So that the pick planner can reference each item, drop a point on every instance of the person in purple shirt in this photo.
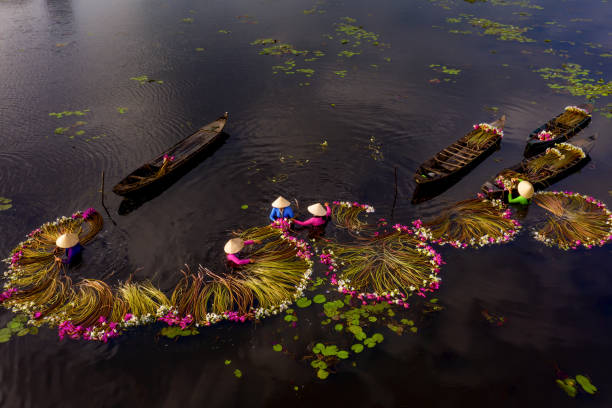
(233, 246)
(70, 242)
(281, 209)
(321, 215)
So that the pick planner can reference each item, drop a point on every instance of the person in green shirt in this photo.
(525, 190)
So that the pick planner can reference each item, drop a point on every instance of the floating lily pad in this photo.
(5, 203)
(319, 298)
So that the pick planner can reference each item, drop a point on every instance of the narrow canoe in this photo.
(457, 158)
(544, 177)
(561, 132)
(186, 150)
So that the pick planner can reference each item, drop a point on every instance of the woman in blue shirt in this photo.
(281, 209)
(70, 242)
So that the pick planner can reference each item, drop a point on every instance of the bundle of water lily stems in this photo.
(386, 267)
(346, 215)
(38, 287)
(276, 276)
(483, 133)
(476, 222)
(573, 220)
(542, 166)
(571, 116)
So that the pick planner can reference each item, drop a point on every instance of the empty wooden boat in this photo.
(172, 160)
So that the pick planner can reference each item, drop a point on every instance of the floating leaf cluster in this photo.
(504, 32)
(576, 80)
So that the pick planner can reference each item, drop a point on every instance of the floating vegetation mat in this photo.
(541, 167)
(388, 267)
(503, 32)
(574, 220)
(38, 287)
(574, 79)
(347, 328)
(476, 223)
(346, 215)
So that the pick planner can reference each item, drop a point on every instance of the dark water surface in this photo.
(61, 55)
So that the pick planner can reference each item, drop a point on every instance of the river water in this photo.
(381, 111)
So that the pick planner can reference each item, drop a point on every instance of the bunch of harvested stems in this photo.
(574, 220)
(277, 276)
(571, 116)
(482, 134)
(388, 267)
(555, 158)
(90, 309)
(346, 215)
(476, 222)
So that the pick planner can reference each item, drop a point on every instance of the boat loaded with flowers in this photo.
(446, 166)
(542, 170)
(559, 129)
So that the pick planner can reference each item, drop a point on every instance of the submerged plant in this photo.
(476, 222)
(573, 220)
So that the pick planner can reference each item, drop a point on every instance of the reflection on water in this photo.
(65, 56)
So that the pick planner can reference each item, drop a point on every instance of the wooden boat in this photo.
(459, 157)
(544, 177)
(162, 168)
(562, 131)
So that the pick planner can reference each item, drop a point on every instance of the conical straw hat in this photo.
(317, 209)
(67, 240)
(233, 245)
(280, 202)
(525, 189)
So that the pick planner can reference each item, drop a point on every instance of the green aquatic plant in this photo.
(444, 69)
(504, 32)
(17, 326)
(348, 54)
(143, 79)
(60, 115)
(341, 74)
(576, 80)
(121, 110)
(5, 203)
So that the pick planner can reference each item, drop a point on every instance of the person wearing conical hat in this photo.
(321, 215)
(281, 208)
(70, 242)
(525, 190)
(233, 246)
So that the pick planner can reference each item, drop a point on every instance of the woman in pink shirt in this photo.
(321, 215)
(233, 246)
